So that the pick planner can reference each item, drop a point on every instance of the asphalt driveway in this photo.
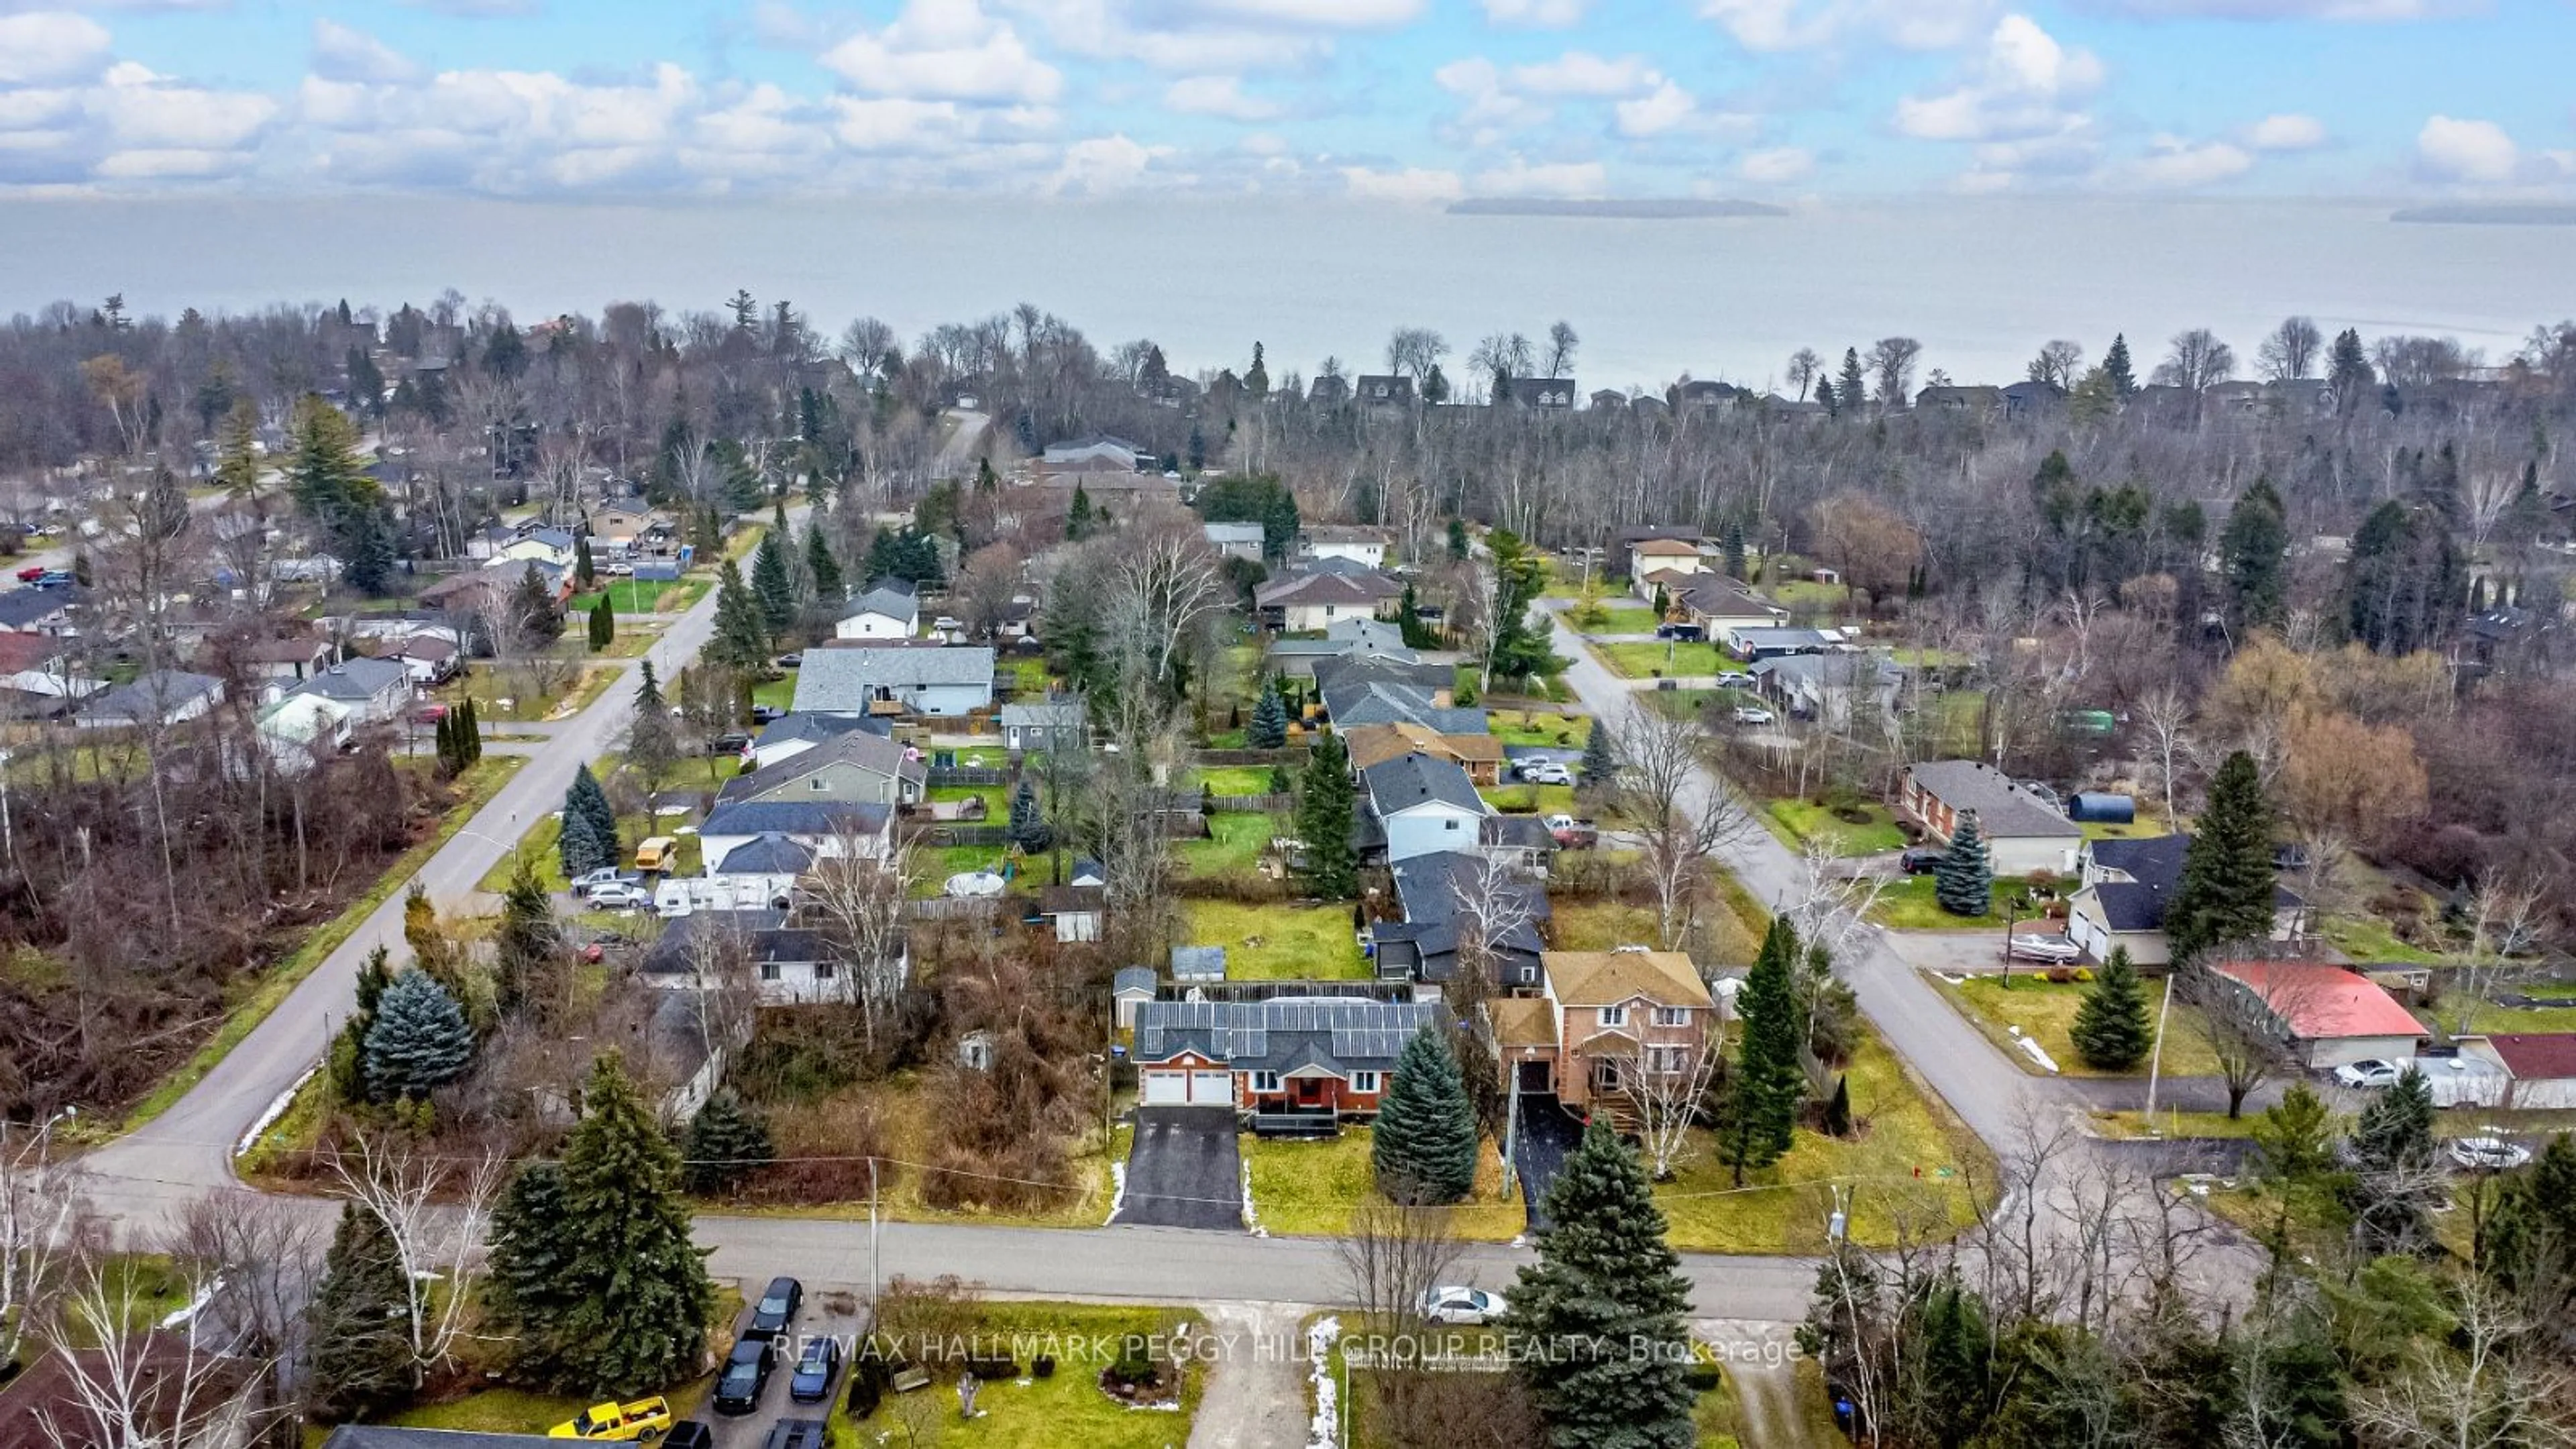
(1547, 1133)
(1184, 1170)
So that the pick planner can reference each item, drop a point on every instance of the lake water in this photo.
(1981, 282)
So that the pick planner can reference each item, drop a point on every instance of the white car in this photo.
(1472, 1307)
(2055, 950)
(2488, 1154)
(1543, 772)
(590, 880)
(1753, 714)
(1734, 679)
(2369, 1072)
(618, 895)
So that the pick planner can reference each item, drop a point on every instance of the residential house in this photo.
(1237, 540)
(377, 691)
(1422, 804)
(1607, 1025)
(1829, 688)
(1442, 896)
(1522, 842)
(760, 873)
(790, 735)
(1098, 451)
(554, 547)
(1051, 723)
(1358, 543)
(828, 828)
(281, 663)
(42, 611)
(1311, 602)
(432, 659)
(1481, 756)
(1382, 390)
(1609, 400)
(626, 526)
(891, 678)
(2128, 884)
(1343, 639)
(2325, 1014)
(890, 609)
(1977, 399)
(2031, 401)
(298, 733)
(857, 767)
(1717, 603)
(1286, 1055)
(1355, 700)
(1623, 557)
(1545, 394)
(159, 1387)
(158, 698)
(1329, 390)
(1702, 395)
(2023, 833)
(1074, 911)
(1664, 555)
(1755, 642)
(2539, 1068)
(37, 679)
(789, 964)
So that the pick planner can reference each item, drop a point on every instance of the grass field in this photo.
(1528, 799)
(1900, 1131)
(1640, 661)
(1798, 821)
(2489, 1017)
(1231, 851)
(1806, 596)
(1600, 925)
(1540, 727)
(1625, 620)
(1234, 779)
(1313, 1187)
(625, 596)
(1908, 904)
(2045, 1011)
(1067, 1409)
(1277, 942)
(2368, 938)
(933, 865)
(777, 693)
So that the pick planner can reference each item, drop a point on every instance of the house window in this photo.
(1668, 1060)
(1614, 1016)
(1265, 1081)
(1672, 1016)
(768, 970)
(1363, 1081)
(824, 970)
(1452, 825)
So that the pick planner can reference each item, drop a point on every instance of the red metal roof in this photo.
(2322, 1002)
(2534, 1056)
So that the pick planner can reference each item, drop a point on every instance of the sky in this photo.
(1412, 100)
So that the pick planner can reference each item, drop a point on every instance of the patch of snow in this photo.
(1117, 1189)
(1251, 1219)
(197, 1304)
(671, 810)
(1324, 1430)
(2030, 1047)
(275, 1110)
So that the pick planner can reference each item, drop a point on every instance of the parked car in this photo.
(775, 1313)
(583, 883)
(618, 895)
(1754, 714)
(429, 714)
(2055, 950)
(2369, 1072)
(1734, 679)
(1921, 860)
(1571, 833)
(54, 579)
(620, 569)
(746, 1373)
(1542, 772)
(1472, 1307)
(638, 1419)
(655, 853)
(762, 714)
(1681, 633)
(31, 573)
(812, 1381)
(689, 1434)
(2488, 1154)
(731, 742)
(796, 1434)
(791, 661)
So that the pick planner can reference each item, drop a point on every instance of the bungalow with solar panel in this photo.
(1311, 1057)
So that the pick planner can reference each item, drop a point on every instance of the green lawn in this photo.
(1908, 904)
(1538, 727)
(1277, 942)
(2368, 938)
(1600, 925)
(2045, 1011)
(933, 865)
(1313, 1187)
(2489, 1017)
(1533, 799)
(625, 596)
(1899, 1131)
(1797, 821)
(779, 693)
(1806, 596)
(1678, 660)
(1958, 723)
(1231, 851)
(1234, 779)
(1627, 620)
(1067, 1409)
(538, 847)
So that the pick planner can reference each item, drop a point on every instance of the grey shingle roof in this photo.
(392, 1436)
(764, 935)
(1430, 888)
(21, 607)
(839, 679)
(863, 748)
(153, 696)
(356, 680)
(1342, 1033)
(766, 855)
(2002, 807)
(813, 819)
(887, 599)
(1051, 714)
(1132, 978)
(820, 727)
(1415, 778)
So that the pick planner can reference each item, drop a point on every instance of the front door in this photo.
(1536, 1078)
(1309, 1091)
(1605, 1076)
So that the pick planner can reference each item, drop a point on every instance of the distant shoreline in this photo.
(2496, 214)
(1667, 209)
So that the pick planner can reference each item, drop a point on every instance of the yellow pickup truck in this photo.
(641, 1419)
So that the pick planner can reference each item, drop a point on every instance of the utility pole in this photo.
(2156, 1054)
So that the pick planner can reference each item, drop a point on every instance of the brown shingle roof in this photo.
(1605, 978)
(1523, 1021)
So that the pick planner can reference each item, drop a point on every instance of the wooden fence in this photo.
(942, 777)
(1284, 755)
(955, 834)
(1251, 804)
(951, 908)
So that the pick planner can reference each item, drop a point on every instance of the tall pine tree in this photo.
(528, 1286)
(1854, 386)
(1028, 827)
(1763, 1091)
(1268, 729)
(361, 1360)
(2111, 1029)
(831, 590)
(1964, 879)
(419, 1040)
(773, 583)
(2226, 889)
(1600, 769)
(2116, 366)
(638, 1318)
(1423, 1148)
(2254, 552)
(2396, 1168)
(728, 1142)
(741, 639)
(1324, 815)
(528, 947)
(1606, 1297)
(603, 625)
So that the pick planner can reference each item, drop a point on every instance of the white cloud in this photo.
(1656, 112)
(2025, 85)
(1581, 73)
(1218, 95)
(2172, 162)
(50, 46)
(342, 53)
(2348, 10)
(1577, 179)
(945, 50)
(1777, 166)
(2289, 132)
(476, 9)
(1321, 14)
(1413, 184)
(1175, 39)
(1536, 14)
(1101, 164)
(1778, 25)
(2477, 152)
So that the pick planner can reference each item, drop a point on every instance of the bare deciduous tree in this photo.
(435, 1210)
(2289, 350)
(127, 1383)
(2489, 1387)
(1684, 815)
(861, 901)
(1666, 1081)
(41, 1227)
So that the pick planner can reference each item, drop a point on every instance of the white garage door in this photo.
(1212, 1089)
(1165, 1089)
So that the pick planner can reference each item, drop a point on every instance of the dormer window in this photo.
(1614, 1016)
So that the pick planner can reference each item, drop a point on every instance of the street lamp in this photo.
(2012, 913)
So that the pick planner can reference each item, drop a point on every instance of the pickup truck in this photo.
(1573, 834)
(639, 1419)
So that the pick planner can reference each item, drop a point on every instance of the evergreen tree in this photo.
(2116, 367)
(1838, 1116)
(773, 584)
(1077, 517)
(603, 625)
(1600, 766)
(1828, 399)
(2531, 1241)
(1256, 378)
(577, 845)
(1324, 814)
(728, 1142)
(1607, 1297)
(2226, 889)
(830, 589)
(1457, 538)
(361, 1359)
(1269, 727)
(2395, 1168)
(348, 1059)
(2348, 370)
(593, 802)
(2294, 1138)
(652, 742)
(2254, 553)
(1854, 386)
(1963, 882)
(1423, 1148)
(469, 735)
(367, 539)
(324, 473)
(1763, 1091)
(585, 569)
(637, 1319)
(1029, 828)
(445, 736)
(2111, 1031)
(741, 640)
(532, 607)
(527, 946)
(1735, 565)
(237, 469)
(419, 1041)
(528, 1285)
(2401, 579)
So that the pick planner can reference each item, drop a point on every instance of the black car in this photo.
(746, 1373)
(811, 1383)
(775, 1313)
(689, 1434)
(790, 661)
(795, 1434)
(1922, 859)
(762, 714)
